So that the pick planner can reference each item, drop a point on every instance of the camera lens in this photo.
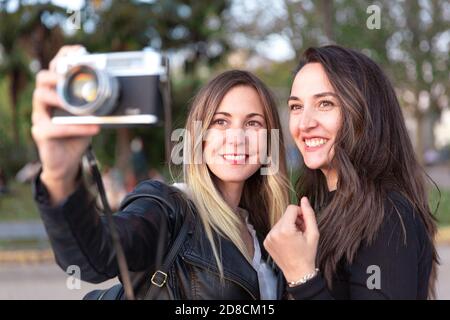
(88, 91)
(82, 88)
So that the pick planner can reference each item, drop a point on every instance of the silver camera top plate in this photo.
(129, 63)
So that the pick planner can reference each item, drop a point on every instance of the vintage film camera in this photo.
(112, 89)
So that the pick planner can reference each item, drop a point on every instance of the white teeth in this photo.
(315, 142)
(231, 157)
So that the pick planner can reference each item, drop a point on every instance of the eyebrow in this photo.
(316, 96)
(250, 115)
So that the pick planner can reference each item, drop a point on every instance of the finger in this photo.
(65, 50)
(46, 78)
(73, 130)
(288, 222)
(299, 223)
(52, 131)
(309, 218)
(290, 215)
(43, 99)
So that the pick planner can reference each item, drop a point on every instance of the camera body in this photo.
(111, 89)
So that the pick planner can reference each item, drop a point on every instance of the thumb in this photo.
(291, 214)
(309, 218)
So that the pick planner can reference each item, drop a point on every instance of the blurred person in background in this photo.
(3, 183)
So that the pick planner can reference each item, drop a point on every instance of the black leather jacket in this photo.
(80, 236)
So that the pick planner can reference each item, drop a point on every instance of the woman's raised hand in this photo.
(293, 241)
(60, 147)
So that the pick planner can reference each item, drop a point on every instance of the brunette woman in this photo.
(373, 236)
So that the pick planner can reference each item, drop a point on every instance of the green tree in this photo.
(23, 36)
(412, 44)
(191, 27)
(420, 52)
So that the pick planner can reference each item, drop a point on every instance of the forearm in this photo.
(80, 236)
(59, 187)
(77, 235)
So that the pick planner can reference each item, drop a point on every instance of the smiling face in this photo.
(235, 137)
(315, 116)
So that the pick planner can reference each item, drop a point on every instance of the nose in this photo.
(234, 140)
(307, 119)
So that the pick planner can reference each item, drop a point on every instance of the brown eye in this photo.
(326, 103)
(254, 123)
(295, 107)
(220, 122)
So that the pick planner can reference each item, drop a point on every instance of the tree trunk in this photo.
(328, 19)
(14, 84)
(431, 118)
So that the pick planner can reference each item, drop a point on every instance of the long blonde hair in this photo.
(265, 197)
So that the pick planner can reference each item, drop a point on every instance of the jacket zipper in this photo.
(225, 277)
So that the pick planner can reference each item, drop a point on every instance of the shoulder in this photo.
(398, 208)
(151, 196)
(401, 239)
(402, 221)
(154, 187)
(151, 189)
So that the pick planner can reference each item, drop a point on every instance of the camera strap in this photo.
(121, 260)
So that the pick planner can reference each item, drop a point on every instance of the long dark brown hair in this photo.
(373, 156)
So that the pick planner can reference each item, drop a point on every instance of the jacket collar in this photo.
(236, 268)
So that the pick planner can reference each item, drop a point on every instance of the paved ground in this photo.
(22, 230)
(46, 281)
(443, 287)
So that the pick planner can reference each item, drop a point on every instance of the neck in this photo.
(332, 178)
(231, 192)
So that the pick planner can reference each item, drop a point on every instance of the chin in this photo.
(314, 165)
(233, 178)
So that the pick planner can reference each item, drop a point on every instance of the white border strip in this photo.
(135, 119)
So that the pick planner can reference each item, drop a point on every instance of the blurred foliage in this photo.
(13, 210)
(31, 34)
(442, 213)
(410, 45)
(167, 26)
(23, 36)
(13, 155)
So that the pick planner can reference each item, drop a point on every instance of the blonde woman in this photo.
(235, 175)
